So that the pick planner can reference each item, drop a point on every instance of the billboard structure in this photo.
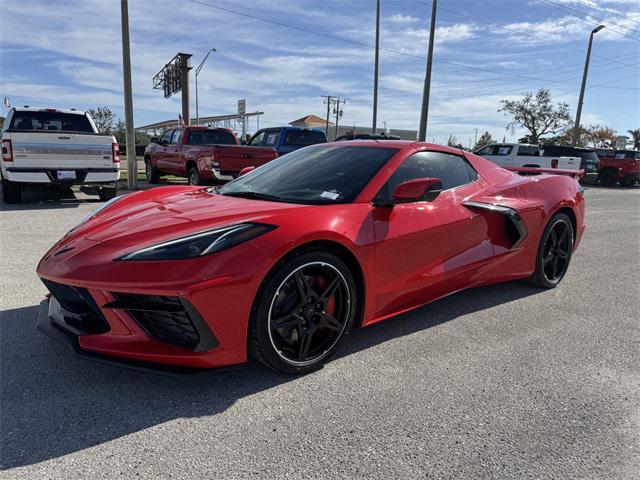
(174, 78)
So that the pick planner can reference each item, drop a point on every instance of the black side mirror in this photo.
(154, 140)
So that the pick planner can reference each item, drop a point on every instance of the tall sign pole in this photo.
(422, 132)
(185, 66)
(132, 167)
(375, 70)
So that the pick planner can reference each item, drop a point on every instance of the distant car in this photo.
(623, 166)
(280, 264)
(56, 148)
(365, 136)
(201, 154)
(588, 156)
(287, 139)
(525, 155)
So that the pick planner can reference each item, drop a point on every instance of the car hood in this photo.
(171, 212)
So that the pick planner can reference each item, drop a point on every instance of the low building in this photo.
(314, 121)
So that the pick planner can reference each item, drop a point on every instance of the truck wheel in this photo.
(609, 178)
(11, 191)
(107, 193)
(152, 174)
(193, 177)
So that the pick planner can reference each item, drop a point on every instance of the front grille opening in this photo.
(79, 309)
(167, 319)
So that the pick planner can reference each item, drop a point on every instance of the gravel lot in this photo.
(499, 382)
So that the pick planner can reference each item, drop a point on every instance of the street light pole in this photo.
(422, 132)
(197, 72)
(375, 70)
(576, 129)
(130, 142)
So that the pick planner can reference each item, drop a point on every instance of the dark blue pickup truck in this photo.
(287, 139)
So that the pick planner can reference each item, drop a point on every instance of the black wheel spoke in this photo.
(331, 322)
(305, 343)
(563, 255)
(328, 291)
(563, 235)
(304, 290)
(285, 321)
(554, 238)
(547, 260)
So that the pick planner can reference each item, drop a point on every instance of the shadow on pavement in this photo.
(54, 404)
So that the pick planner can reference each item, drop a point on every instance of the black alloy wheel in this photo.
(304, 313)
(554, 252)
(151, 173)
(193, 177)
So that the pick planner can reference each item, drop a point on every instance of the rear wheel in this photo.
(11, 191)
(554, 252)
(303, 312)
(193, 177)
(152, 174)
(107, 193)
(609, 178)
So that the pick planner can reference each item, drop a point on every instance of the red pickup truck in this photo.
(620, 166)
(202, 154)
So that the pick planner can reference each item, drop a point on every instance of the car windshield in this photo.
(211, 137)
(315, 175)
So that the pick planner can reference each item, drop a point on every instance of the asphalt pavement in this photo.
(504, 381)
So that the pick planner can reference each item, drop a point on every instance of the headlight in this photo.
(200, 244)
(96, 212)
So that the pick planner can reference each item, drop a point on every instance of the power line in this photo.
(609, 12)
(580, 14)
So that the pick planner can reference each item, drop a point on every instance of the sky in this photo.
(283, 56)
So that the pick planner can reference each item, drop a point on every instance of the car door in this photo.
(423, 248)
(161, 151)
(172, 154)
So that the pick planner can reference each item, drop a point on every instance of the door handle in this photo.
(247, 155)
(64, 138)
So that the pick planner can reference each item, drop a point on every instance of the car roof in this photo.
(399, 144)
(44, 109)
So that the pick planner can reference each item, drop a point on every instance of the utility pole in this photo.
(329, 100)
(475, 138)
(197, 72)
(576, 129)
(375, 69)
(338, 113)
(185, 66)
(130, 142)
(422, 132)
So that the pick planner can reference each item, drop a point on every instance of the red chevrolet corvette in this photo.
(280, 264)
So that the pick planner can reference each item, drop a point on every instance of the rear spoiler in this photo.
(555, 171)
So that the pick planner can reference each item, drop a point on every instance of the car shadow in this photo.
(40, 198)
(54, 404)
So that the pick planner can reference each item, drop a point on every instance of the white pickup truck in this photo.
(55, 147)
(524, 155)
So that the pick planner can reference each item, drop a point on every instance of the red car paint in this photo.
(467, 247)
(213, 162)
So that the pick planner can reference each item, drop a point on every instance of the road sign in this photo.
(242, 107)
(170, 78)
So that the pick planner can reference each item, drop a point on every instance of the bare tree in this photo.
(537, 114)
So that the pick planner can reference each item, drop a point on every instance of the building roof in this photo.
(310, 120)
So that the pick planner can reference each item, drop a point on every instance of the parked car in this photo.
(280, 264)
(623, 166)
(365, 136)
(287, 139)
(57, 148)
(524, 155)
(588, 157)
(201, 154)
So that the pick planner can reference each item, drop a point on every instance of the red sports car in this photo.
(280, 264)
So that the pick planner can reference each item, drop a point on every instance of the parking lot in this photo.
(504, 381)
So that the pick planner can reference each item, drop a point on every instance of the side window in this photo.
(177, 133)
(452, 170)
(528, 150)
(166, 137)
(486, 151)
(272, 138)
(257, 139)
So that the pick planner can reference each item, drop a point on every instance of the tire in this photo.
(107, 193)
(554, 252)
(609, 178)
(11, 191)
(313, 294)
(152, 174)
(193, 177)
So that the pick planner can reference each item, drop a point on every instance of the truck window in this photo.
(175, 138)
(528, 150)
(211, 137)
(271, 138)
(302, 138)
(166, 137)
(51, 121)
(257, 139)
(491, 150)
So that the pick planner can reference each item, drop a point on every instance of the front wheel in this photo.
(151, 173)
(554, 252)
(193, 177)
(303, 312)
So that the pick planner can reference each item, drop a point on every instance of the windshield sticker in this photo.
(330, 195)
(503, 151)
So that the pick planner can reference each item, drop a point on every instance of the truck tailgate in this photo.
(234, 158)
(61, 150)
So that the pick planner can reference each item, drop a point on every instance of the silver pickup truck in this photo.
(56, 147)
